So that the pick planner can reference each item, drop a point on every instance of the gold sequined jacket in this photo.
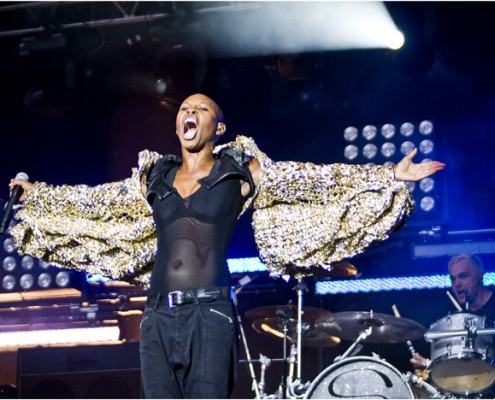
(306, 217)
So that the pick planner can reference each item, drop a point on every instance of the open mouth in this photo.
(462, 294)
(190, 128)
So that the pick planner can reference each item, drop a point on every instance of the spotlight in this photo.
(388, 149)
(427, 184)
(406, 129)
(8, 245)
(406, 147)
(427, 203)
(388, 131)
(8, 282)
(27, 262)
(62, 279)
(27, 281)
(351, 133)
(370, 151)
(351, 152)
(385, 143)
(26, 273)
(369, 132)
(44, 280)
(9, 263)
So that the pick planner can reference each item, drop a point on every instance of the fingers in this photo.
(411, 155)
(16, 182)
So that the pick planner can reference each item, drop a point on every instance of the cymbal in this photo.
(310, 336)
(385, 328)
(309, 314)
(340, 269)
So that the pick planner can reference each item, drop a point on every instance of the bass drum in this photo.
(360, 377)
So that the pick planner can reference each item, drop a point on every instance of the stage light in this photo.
(27, 262)
(406, 129)
(44, 280)
(8, 245)
(24, 273)
(351, 152)
(385, 143)
(427, 184)
(161, 86)
(388, 131)
(43, 337)
(426, 146)
(350, 133)
(370, 151)
(26, 281)
(427, 203)
(369, 132)
(298, 27)
(8, 282)
(62, 279)
(388, 149)
(395, 39)
(406, 147)
(9, 263)
(391, 284)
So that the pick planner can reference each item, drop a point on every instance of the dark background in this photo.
(77, 108)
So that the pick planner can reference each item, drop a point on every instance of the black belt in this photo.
(178, 297)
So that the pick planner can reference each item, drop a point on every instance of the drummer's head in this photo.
(466, 274)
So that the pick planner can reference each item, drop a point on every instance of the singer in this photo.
(175, 216)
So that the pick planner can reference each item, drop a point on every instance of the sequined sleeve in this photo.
(309, 216)
(105, 229)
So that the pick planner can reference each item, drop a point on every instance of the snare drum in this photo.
(460, 364)
(360, 377)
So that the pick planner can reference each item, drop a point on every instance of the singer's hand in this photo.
(26, 186)
(406, 170)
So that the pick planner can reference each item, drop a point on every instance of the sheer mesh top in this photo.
(194, 234)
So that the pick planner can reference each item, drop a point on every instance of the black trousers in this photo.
(189, 351)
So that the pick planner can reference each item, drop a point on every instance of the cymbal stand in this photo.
(265, 362)
(285, 316)
(362, 336)
(296, 389)
(255, 385)
(300, 287)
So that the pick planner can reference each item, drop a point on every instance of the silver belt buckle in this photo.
(171, 297)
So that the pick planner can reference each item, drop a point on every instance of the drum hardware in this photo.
(267, 321)
(265, 362)
(462, 354)
(470, 333)
(284, 315)
(242, 282)
(360, 377)
(417, 380)
(362, 336)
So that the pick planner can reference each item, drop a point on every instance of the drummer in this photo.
(466, 274)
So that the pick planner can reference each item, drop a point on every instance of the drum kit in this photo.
(462, 353)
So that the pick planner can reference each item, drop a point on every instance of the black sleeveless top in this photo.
(194, 232)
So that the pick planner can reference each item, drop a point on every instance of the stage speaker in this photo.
(81, 372)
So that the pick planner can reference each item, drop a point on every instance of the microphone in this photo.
(14, 198)
(469, 299)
